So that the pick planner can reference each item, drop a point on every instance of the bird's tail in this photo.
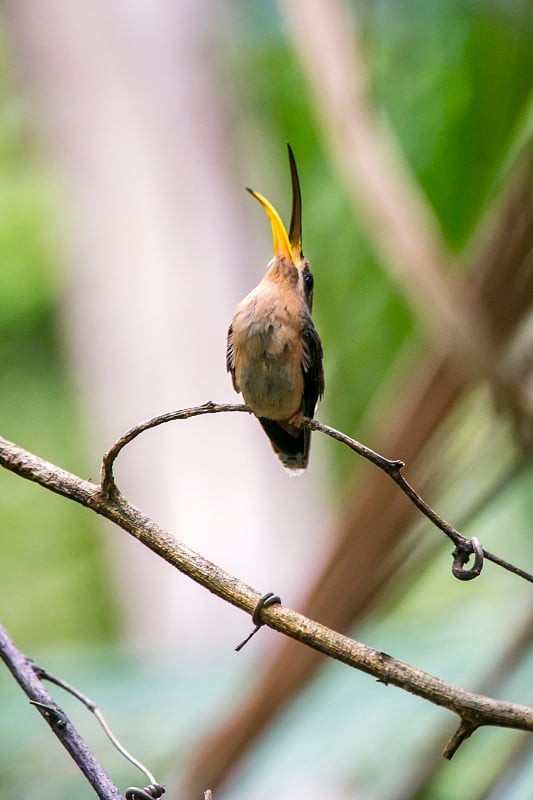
(290, 444)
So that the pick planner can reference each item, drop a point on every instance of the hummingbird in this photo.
(274, 353)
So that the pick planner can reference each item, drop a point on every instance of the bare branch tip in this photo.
(54, 713)
(463, 732)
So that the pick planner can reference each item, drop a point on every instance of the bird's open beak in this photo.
(282, 245)
(295, 229)
(287, 246)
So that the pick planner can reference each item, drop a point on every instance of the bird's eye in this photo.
(308, 281)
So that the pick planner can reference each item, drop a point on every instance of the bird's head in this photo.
(289, 263)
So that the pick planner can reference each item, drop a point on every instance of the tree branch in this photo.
(473, 709)
(23, 672)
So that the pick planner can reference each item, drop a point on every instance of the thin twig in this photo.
(89, 704)
(108, 483)
(23, 672)
(393, 468)
(394, 471)
(470, 707)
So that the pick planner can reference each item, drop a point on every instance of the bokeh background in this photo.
(127, 133)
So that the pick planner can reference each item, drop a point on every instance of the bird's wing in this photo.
(312, 369)
(289, 442)
(230, 357)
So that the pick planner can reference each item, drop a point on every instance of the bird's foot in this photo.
(296, 419)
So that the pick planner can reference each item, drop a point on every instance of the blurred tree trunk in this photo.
(134, 106)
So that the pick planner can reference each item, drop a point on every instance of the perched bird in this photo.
(274, 353)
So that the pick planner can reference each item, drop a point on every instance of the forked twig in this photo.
(23, 672)
(155, 790)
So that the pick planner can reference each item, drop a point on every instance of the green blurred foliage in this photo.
(50, 557)
(26, 217)
(455, 79)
